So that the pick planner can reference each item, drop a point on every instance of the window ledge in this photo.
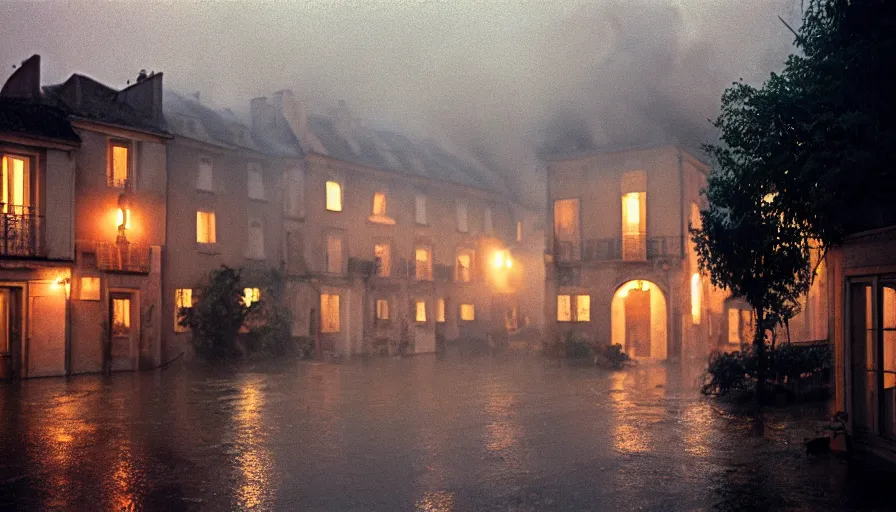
(205, 191)
(256, 258)
(258, 199)
(211, 249)
(380, 219)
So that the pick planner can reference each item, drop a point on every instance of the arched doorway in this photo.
(638, 320)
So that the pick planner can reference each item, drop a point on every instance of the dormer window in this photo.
(119, 164)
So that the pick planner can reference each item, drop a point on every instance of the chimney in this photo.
(263, 115)
(25, 81)
(295, 113)
(145, 96)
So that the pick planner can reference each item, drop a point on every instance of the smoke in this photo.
(497, 81)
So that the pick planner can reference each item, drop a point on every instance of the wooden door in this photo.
(122, 329)
(637, 322)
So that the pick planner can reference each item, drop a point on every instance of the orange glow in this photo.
(334, 196)
(696, 295)
(124, 217)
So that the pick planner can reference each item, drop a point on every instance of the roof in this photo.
(31, 118)
(187, 117)
(392, 151)
(83, 97)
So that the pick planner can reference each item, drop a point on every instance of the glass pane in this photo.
(564, 311)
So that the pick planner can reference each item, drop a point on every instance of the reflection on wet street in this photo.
(422, 434)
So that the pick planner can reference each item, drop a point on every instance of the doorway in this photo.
(120, 353)
(10, 333)
(638, 320)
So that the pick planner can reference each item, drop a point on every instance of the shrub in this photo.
(577, 346)
(727, 371)
(218, 312)
(612, 356)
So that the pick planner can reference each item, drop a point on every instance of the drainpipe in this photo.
(68, 328)
(681, 202)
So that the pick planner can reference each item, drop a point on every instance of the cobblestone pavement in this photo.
(424, 433)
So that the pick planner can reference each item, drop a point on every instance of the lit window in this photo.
(382, 254)
(566, 218)
(502, 260)
(573, 308)
(121, 317)
(334, 253)
(462, 221)
(696, 295)
(423, 266)
(564, 308)
(467, 312)
(420, 311)
(251, 296)
(183, 299)
(379, 204)
(119, 165)
(255, 251)
(382, 309)
(464, 267)
(205, 227)
(329, 312)
(256, 182)
(90, 288)
(634, 244)
(519, 231)
(15, 183)
(583, 308)
(440, 310)
(420, 209)
(488, 226)
(334, 196)
(204, 177)
(733, 326)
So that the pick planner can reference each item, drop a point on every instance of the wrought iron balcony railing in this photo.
(21, 231)
(123, 257)
(624, 248)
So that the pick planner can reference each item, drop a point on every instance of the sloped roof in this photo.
(84, 97)
(27, 117)
(397, 152)
(189, 118)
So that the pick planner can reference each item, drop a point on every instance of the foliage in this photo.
(738, 370)
(577, 346)
(269, 321)
(726, 372)
(802, 160)
(612, 356)
(217, 314)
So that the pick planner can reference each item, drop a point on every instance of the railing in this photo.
(124, 257)
(443, 272)
(21, 231)
(630, 248)
(118, 183)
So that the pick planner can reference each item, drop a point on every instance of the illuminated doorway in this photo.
(638, 320)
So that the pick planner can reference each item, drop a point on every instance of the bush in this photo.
(727, 371)
(577, 346)
(612, 356)
(736, 371)
(217, 314)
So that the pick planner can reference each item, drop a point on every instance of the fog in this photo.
(501, 82)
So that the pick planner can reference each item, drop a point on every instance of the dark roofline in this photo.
(609, 150)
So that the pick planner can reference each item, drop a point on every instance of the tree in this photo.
(217, 313)
(803, 160)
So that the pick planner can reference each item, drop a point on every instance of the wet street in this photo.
(485, 433)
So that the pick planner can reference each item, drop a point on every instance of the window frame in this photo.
(429, 262)
(211, 174)
(341, 237)
(325, 326)
(255, 169)
(179, 295)
(461, 316)
(573, 304)
(30, 165)
(338, 182)
(211, 228)
(128, 182)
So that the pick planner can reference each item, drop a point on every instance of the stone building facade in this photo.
(620, 267)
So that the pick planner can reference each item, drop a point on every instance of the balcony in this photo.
(629, 248)
(361, 268)
(21, 232)
(443, 272)
(125, 257)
